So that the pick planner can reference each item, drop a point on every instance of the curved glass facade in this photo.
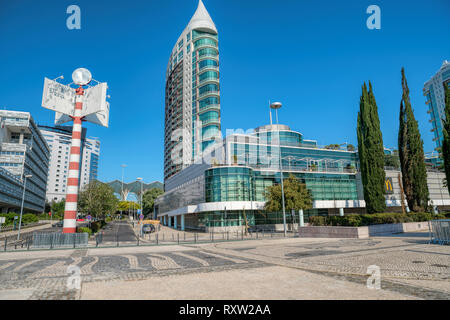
(287, 138)
(207, 63)
(209, 132)
(208, 75)
(208, 88)
(208, 101)
(205, 42)
(210, 116)
(229, 184)
(208, 52)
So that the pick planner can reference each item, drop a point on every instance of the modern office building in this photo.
(59, 141)
(192, 96)
(23, 151)
(228, 188)
(433, 90)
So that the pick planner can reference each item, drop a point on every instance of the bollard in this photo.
(195, 237)
(242, 234)
(184, 236)
(51, 242)
(256, 234)
(138, 241)
(117, 239)
(6, 242)
(157, 239)
(228, 236)
(178, 238)
(28, 243)
(212, 238)
(96, 241)
(74, 240)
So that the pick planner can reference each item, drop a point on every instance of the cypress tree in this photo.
(446, 132)
(371, 152)
(412, 158)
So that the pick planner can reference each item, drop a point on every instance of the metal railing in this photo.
(439, 231)
(60, 240)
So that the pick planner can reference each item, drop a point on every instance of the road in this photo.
(295, 268)
(118, 230)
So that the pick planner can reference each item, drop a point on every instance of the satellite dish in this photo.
(81, 76)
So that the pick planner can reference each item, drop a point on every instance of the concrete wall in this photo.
(361, 232)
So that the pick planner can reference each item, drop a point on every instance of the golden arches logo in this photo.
(388, 185)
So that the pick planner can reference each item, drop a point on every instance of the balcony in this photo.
(210, 121)
(210, 107)
(209, 93)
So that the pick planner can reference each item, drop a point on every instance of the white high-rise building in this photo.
(59, 140)
(434, 91)
(23, 152)
(192, 104)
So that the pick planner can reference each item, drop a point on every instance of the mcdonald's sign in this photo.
(388, 186)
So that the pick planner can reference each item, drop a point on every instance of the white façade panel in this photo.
(58, 97)
(61, 118)
(94, 99)
(101, 117)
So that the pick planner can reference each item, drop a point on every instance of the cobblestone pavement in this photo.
(409, 266)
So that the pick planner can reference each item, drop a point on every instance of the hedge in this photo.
(97, 225)
(357, 220)
(84, 229)
(27, 218)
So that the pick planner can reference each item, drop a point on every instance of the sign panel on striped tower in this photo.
(58, 97)
(61, 118)
(94, 99)
(101, 117)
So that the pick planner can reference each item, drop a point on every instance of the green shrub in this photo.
(97, 225)
(356, 220)
(84, 229)
(29, 218)
(318, 221)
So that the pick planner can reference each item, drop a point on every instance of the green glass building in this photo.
(228, 187)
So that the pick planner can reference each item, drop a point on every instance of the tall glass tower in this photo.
(192, 104)
(434, 92)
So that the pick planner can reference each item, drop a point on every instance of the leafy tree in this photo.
(47, 206)
(350, 147)
(148, 200)
(57, 208)
(333, 146)
(391, 160)
(446, 132)
(97, 199)
(296, 196)
(412, 158)
(127, 205)
(371, 152)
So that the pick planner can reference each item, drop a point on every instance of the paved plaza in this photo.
(293, 268)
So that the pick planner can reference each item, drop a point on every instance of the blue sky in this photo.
(313, 56)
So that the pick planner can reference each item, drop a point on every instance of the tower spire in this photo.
(202, 20)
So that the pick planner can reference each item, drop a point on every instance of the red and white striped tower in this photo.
(70, 211)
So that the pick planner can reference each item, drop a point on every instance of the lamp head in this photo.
(81, 76)
(275, 105)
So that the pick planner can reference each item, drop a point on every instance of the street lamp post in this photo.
(142, 211)
(140, 179)
(23, 199)
(276, 106)
(121, 195)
